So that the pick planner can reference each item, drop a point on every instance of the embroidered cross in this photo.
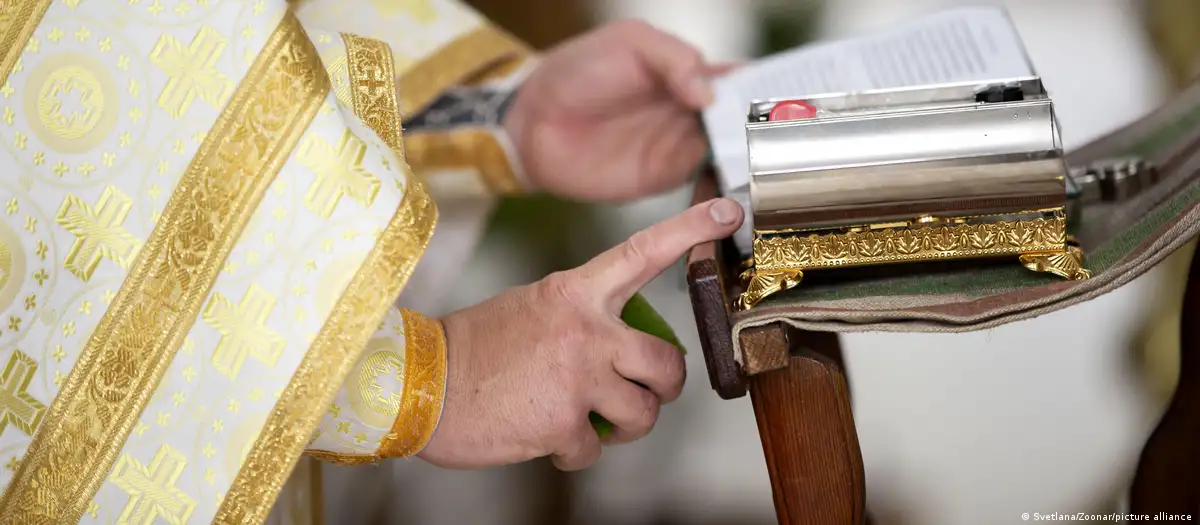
(339, 173)
(98, 231)
(152, 491)
(17, 406)
(243, 330)
(191, 71)
(373, 83)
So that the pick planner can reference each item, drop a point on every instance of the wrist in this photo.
(516, 127)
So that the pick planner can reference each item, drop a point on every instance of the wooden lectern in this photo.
(797, 382)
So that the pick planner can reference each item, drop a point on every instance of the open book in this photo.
(956, 45)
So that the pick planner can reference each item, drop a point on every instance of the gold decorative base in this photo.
(761, 284)
(1067, 264)
(779, 263)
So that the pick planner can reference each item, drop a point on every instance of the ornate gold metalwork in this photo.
(761, 284)
(128, 352)
(1067, 264)
(780, 260)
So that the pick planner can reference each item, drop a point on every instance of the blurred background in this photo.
(1047, 415)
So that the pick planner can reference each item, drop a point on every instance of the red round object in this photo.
(792, 110)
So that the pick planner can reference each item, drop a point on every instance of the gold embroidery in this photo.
(373, 88)
(421, 10)
(341, 458)
(424, 386)
(66, 77)
(339, 173)
(18, 407)
(66, 81)
(373, 403)
(463, 149)
(339, 77)
(456, 61)
(152, 491)
(327, 363)
(501, 71)
(18, 19)
(191, 71)
(98, 232)
(12, 264)
(160, 299)
(243, 331)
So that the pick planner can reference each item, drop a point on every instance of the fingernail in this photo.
(724, 211)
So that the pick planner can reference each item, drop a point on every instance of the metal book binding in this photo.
(942, 172)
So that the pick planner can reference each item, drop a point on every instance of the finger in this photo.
(631, 409)
(580, 451)
(720, 69)
(680, 64)
(653, 363)
(615, 275)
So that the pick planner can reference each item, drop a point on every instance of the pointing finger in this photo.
(615, 275)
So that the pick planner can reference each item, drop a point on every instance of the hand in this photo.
(527, 366)
(612, 115)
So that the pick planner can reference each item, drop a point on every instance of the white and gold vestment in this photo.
(209, 211)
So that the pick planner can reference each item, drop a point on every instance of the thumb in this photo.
(615, 275)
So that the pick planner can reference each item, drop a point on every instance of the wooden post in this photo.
(1168, 474)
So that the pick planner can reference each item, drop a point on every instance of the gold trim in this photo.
(372, 73)
(453, 63)
(780, 261)
(160, 299)
(473, 149)
(23, 17)
(342, 458)
(424, 387)
(336, 348)
(808, 252)
(504, 70)
(355, 317)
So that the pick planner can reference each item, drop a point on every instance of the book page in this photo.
(956, 45)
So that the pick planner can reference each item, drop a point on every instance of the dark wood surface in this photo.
(798, 389)
(712, 290)
(1168, 474)
(801, 401)
(807, 430)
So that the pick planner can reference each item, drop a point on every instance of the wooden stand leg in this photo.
(807, 431)
(1168, 475)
